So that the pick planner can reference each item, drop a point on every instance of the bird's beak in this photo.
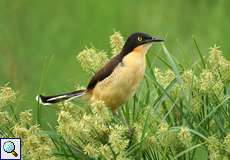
(154, 39)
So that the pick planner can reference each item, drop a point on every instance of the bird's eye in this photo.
(139, 39)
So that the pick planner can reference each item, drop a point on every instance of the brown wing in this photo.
(105, 71)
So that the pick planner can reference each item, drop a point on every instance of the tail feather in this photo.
(49, 100)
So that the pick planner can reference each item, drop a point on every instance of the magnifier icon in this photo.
(9, 147)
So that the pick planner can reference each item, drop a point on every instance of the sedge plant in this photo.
(179, 112)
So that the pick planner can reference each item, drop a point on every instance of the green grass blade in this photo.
(189, 149)
(199, 52)
(172, 63)
(213, 111)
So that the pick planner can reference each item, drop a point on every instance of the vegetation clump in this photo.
(178, 112)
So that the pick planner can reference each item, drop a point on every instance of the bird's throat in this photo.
(142, 49)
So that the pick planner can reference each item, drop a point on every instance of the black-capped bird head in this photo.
(138, 39)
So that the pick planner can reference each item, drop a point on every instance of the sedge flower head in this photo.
(91, 151)
(38, 147)
(100, 110)
(138, 131)
(158, 74)
(227, 143)
(213, 147)
(163, 127)
(163, 134)
(7, 95)
(224, 70)
(206, 80)
(196, 103)
(170, 75)
(20, 131)
(213, 143)
(215, 56)
(32, 142)
(87, 126)
(91, 59)
(117, 138)
(35, 146)
(71, 108)
(116, 42)
(218, 63)
(185, 136)
(215, 155)
(122, 156)
(26, 117)
(67, 126)
(218, 89)
(106, 151)
(87, 119)
(188, 78)
(5, 119)
(164, 78)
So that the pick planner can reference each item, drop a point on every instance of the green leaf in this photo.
(189, 149)
(172, 63)
(213, 111)
(199, 52)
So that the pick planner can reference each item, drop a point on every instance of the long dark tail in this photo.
(49, 100)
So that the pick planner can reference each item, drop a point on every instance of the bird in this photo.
(118, 80)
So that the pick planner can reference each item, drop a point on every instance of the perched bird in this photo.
(116, 81)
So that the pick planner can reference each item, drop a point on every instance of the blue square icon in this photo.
(10, 148)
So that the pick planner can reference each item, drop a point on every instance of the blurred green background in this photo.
(39, 40)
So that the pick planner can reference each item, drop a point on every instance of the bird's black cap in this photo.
(137, 39)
